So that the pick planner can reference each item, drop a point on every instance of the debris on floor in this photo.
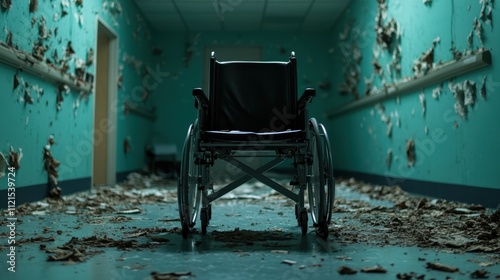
(133, 192)
(480, 274)
(441, 267)
(170, 275)
(374, 269)
(410, 276)
(289, 262)
(343, 270)
(415, 221)
(386, 216)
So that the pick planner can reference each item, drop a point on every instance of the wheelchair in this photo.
(252, 111)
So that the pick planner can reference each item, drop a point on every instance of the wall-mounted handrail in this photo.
(438, 74)
(27, 63)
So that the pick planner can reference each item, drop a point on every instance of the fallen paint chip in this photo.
(374, 269)
(279, 251)
(410, 276)
(343, 270)
(441, 267)
(289, 262)
(479, 274)
(169, 275)
(130, 211)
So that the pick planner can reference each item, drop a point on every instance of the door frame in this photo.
(103, 28)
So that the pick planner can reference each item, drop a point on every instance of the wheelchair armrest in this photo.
(200, 97)
(306, 97)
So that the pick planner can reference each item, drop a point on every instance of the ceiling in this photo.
(242, 15)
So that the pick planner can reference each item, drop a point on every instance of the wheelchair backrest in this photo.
(257, 96)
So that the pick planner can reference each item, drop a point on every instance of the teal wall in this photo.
(452, 150)
(28, 126)
(174, 96)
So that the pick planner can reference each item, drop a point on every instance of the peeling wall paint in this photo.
(455, 136)
(63, 34)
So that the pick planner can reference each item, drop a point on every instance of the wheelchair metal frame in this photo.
(311, 156)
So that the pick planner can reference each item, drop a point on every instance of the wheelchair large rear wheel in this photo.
(329, 178)
(318, 189)
(188, 191)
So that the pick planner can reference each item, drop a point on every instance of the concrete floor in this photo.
(247, 239)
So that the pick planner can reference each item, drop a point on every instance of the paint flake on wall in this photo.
(478, 30)
(436, 93)
(388, 158)
(6, 4)
(51, 165)
(3, 165)
(15, 158)
(410, 152)
(33, 6)
(486, 13)
(426, 61)
(470, 93)
(483, 88)
(459, 95)
(421, 97)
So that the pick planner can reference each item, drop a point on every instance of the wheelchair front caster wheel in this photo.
(297, 214)
(303, 220)
(322, 230)
(204, 220)
(209, 210)
(185, 230)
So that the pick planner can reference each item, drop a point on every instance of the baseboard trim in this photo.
(39, 192)
(487, 197)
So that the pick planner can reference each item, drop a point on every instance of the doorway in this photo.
(105, 102)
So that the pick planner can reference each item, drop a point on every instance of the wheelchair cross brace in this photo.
(243, 179)
(253, 173)
(262, 178)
